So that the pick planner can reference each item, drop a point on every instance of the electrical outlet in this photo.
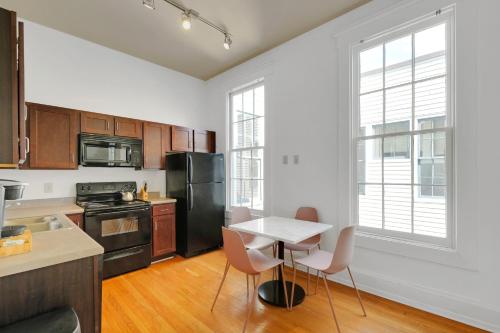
(48, 187)
(285, 159)
(295, 159)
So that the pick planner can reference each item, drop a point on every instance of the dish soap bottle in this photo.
(145, 191)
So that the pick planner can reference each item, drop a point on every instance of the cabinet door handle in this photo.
(156, 225)
(73, 157)
(27, 149)
(117, 126)
(107, 125)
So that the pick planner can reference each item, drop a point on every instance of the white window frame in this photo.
(425, 22)
(250, 86)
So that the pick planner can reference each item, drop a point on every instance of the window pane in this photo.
(398, 104)
(430, 47)
(397, 147)
(236, 191)
(237, 105)
(430, 98)
(371, 109)
(370, 206)
(397, 207)
(257, 164)
(257, 194)
(246, 163)
(398, 62)
(236, 165)
(372, 167)
(258, 131)
(259, 101)
(429, 214)
(397, 162)
(371, 63)
(248, 104)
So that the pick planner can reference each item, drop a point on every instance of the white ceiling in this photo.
(157, 36)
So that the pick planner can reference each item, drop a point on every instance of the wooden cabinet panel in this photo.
(164, 209)
(182, 138)
(204, 141)
(97, 123)
(23, 112)
(77, 219)
(163, 234)
(156, 143)
(128, 127)
(53, 134)
(9, 108)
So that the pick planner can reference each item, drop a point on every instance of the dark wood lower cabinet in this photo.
(163, 230)
(77, 219)
(76, 284)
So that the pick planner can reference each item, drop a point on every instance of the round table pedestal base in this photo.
(272, 292)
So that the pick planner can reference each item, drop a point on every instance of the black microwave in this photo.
(110, 151)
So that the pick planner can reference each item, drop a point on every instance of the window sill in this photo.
(414, 249)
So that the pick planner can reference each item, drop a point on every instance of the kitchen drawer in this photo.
(164, 209)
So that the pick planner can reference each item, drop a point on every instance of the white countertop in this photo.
(282, 229)
(49, 247)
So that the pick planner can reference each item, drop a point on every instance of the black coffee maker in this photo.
(10, 190)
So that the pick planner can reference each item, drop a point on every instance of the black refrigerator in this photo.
(196, 180)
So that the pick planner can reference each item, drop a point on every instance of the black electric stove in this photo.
(123, 228)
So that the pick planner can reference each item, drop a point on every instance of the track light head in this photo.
(186, 20)
(149, 4)
(227, 42)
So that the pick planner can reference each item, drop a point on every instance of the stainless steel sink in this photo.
(42, 223)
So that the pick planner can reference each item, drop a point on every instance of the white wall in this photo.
(67, 71)
(307, 114)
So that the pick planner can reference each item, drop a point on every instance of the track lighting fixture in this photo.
(186, 20)
(189, 14)
(149, 4)
(227, 42)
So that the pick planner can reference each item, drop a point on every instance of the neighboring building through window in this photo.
(403, 131)
(246, 153)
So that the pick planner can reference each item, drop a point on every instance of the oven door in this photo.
(119, 229)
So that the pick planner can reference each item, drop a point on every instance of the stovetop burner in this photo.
(106, 196)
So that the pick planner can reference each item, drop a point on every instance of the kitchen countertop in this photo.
(49, 247)
(161, 200)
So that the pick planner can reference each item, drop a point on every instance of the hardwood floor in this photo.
(176, 296)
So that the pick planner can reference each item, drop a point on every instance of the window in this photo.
(247, 111)
(402, 130)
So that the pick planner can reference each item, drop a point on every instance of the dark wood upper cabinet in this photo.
(53, 133)
(128, 127)
(156, 143)
(182, 138)
(12, 116)
(97, 123)
(204, 141)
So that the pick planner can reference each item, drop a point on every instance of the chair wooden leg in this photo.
(253, 277)
(293, 261)
(284, 286)
(357, 292)
(274, 256)
(252, 304)
(247, 287)
(331, 303)
(293, 288)
(317, 282)
(221, 283)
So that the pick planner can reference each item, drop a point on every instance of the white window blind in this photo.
(403, 129)
(247, 116)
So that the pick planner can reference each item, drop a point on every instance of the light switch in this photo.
(285, 159)
(295, 159)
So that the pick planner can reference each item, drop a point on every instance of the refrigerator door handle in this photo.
(191, 203)
(190, 159)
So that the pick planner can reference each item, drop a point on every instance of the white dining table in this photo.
(283, 230)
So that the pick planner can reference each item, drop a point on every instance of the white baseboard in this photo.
(450, 306)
